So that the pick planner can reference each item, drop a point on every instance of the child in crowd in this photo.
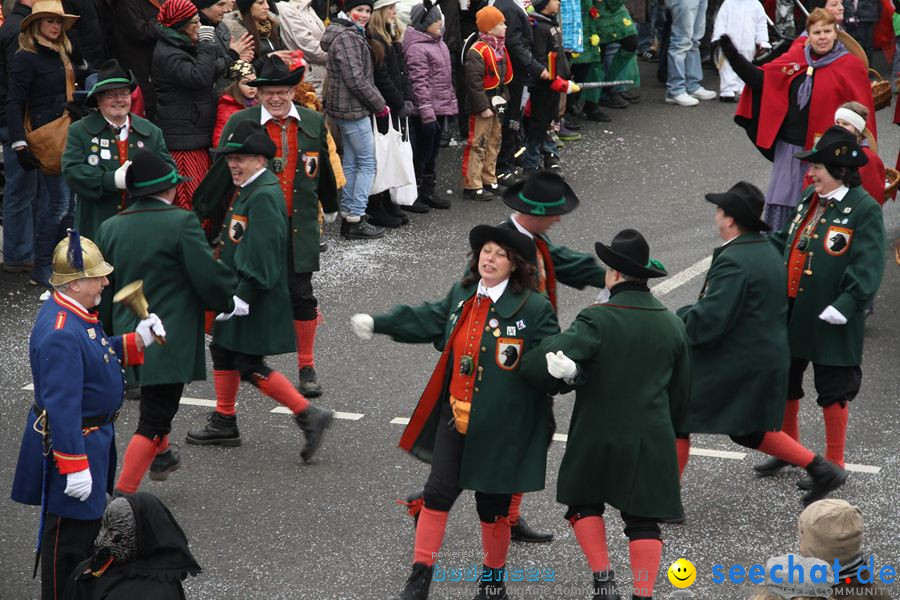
(745, 23)
(236, 96)
(488, 71)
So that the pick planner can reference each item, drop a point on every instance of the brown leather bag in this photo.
(48, 141)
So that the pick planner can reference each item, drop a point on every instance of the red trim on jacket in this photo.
(59, 299)
(133, 356)
(70, 463)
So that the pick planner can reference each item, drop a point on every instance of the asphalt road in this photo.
(264, 526)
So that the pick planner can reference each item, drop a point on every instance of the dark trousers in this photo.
(442, 488)
(511, 135)
(833, 384)
(250, 366)
(636, 528)
(65, 543)
(159, 403)
(544, 110)
(303, 302)
(426, 143)
(749, 440)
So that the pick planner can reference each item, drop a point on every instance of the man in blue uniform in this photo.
(68, 456)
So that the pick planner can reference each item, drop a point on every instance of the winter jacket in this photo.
(548, 41)
(183, 77)
(428, 68)
(518, 39)
(302, 29)
(9, 43)
(477, 98)
(133, 42)
(37, 83)
(350, 93)
(235, 23)
(868, 11)
(452, 33)
(225, 56)
(390, 76)
(226, 107)
(87, 33)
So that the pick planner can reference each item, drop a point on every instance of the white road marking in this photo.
(718, 453)
(679, 279)
(347, 416)
(198, 402)
(29, 387)
(400, 421)
(862, 468)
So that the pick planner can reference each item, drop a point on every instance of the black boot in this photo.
(220, 429)
(394, 210)
(379, 216)
(552, 162)
(613, 100)
(805, 483)
(826, 477)
(417, 585)
(770, 466)
(165, 463)
(313, 422)
(307, 383)
(521, 532)
(428, 195)
(361, 230)
(605, 586)
(492, 585)
(594, 113)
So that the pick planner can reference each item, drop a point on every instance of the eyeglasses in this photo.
(117, 94)
(270, 93)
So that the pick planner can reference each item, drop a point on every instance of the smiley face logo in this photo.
(682, 573)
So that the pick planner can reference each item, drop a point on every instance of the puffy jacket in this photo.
(227, 106)
(302, 29)
(428, 68)
(183, 77)
(390, 76)
(350, 93)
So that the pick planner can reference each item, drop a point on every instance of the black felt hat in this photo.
(149, 174)
(544, 193)
(837, 147)
(274, 72)
(744, 202)
(629, 254)
(111, 76)
(248, 137)
(520, 243)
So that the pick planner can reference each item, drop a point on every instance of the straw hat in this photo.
(48, 8)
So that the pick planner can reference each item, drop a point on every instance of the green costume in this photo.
(164, 245)
(506, 443)
(634, 381)
(90, 160)
(254, 244)
(846, 257)
(606, 22)
(739, 340)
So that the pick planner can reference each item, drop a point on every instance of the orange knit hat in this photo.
(487, 18)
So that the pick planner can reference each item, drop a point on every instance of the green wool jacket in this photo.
(89, 163)
(738, 333)
(634, 382)
(313, 182)
(254, 243)
(611, 24)
(847, 249)
(165, 246)
(508, 435)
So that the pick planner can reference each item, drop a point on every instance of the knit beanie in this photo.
(351, 4)
(176, 13)
(423, 15)
(487, 18)
(831, 529)
(539, 5)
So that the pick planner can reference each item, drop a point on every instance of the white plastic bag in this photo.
(406, 194)
(389, 168)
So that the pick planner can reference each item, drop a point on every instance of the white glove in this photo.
(207, 33)
(241, 309)
(149, 326)
(363, 326)
(120, 175)
(561, 366)
(833, 316)
(603, 296)
(330, 217)
(78, 485)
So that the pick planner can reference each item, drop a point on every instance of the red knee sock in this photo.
(305, 334)
(276, 386)
(226, 384)
(683, 449)
(591, 535)
(514, 505)
(835, 432)
(138, 456)
(780, 445)
(789, 425)
(495, 542)
(645, 555)
(163, 444)
(429, 535)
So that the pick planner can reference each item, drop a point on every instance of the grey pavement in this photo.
(265, 526)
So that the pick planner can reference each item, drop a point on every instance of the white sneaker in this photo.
(682, 100)
(701, 93)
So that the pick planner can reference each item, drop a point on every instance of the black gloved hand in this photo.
(409, 108)
(27, 160)
(431, 128)
(77, 111)
(728, 48)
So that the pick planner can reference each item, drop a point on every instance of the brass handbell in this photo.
(132, 296)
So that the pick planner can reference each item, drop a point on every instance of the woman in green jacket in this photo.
(480, 425)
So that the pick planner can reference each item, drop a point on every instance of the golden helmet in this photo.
(77, 257)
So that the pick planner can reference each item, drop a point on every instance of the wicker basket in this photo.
(891, 179)
(881, 90)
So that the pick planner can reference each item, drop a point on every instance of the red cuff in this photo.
(70, 463)
(559, 85)
(133, 356)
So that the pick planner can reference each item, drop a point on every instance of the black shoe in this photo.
(494, 188)
(613, 100)
(573, 110)
(416, 587)
(595, 113)
(551, 162)
(313, 422)
(605, 586)
(165, 463)
(378, 216)
(521, 532)
(307, 383)
(571, 124)
(394, 210)
(361, 230)
(770, 466)
(220, 429)
(826, 477)
(417, 207)
(728, 98)
(438, 203)
(323, 247)
(805, 483)
(492, 584)
(631, 97)
(479, 195)
(132, 392)
(507, 178)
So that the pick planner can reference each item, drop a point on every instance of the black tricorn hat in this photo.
(248, 137)
(629, 254)
(274, 72)
(544, 193)
(837, 147)
(149, 174)
(520, 243)
(111, 76)
(744, 202)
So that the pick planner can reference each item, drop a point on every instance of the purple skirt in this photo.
(785, 186)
